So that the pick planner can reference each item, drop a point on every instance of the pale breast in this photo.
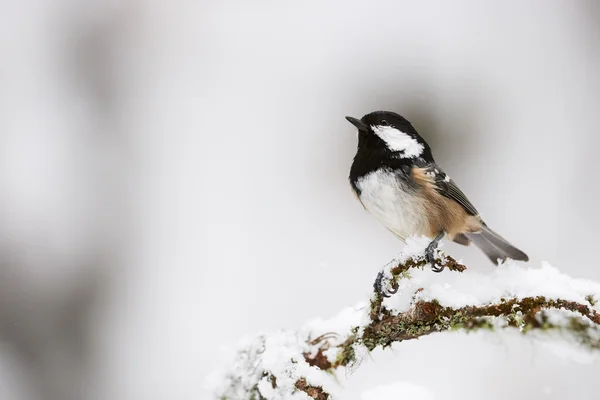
(393, 203)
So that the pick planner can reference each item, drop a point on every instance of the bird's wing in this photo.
(448, 188)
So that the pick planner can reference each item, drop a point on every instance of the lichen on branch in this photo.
(303, 364)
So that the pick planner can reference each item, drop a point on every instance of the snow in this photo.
(509, 280)
(342, 323)
(398, 390)
(564, 344)
(396, 140)
(282, 354)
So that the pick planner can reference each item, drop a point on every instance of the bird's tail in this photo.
(495, 246)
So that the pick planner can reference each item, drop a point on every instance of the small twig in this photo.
(425, 317)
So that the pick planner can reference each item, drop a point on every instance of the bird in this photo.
(397, 180)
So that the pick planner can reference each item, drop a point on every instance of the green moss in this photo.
(375, 306)
(347, 356)
(429, 317)
(255, 394)
(583, 331)
(525, 314)
(544, 322)
(403, 275)
(473, 324)
(401, 329)
(590, 299)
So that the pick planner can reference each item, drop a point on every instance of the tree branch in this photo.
(303, 364)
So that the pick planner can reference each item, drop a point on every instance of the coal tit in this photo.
(397, 180)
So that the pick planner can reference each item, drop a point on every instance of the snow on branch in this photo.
(541, 303)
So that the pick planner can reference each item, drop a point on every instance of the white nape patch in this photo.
(396, 140)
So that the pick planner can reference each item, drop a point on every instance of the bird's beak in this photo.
(358, 123)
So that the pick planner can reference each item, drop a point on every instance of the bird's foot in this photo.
(381, 285)
(430, 258)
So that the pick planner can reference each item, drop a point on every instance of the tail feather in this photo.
(489, 249)
(495, 246)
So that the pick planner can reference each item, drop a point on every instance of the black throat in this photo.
(366, 162)
(372, 155)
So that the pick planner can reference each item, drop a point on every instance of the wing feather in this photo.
(448, 188)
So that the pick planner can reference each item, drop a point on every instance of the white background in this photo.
(176, 177)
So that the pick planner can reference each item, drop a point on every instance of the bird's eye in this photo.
(384, 122)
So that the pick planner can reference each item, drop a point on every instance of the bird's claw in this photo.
(380, 287)
(430, 258)
(437, 268)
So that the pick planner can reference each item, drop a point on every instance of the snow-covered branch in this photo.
(541, 303)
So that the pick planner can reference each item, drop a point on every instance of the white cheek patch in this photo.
(396, 140)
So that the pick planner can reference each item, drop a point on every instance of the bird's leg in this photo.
(430, 252)
(380, 286)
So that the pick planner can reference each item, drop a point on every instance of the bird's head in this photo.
(389, 132)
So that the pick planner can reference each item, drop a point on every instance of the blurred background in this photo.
(174, 176)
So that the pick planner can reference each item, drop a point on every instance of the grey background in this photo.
(175, 176)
